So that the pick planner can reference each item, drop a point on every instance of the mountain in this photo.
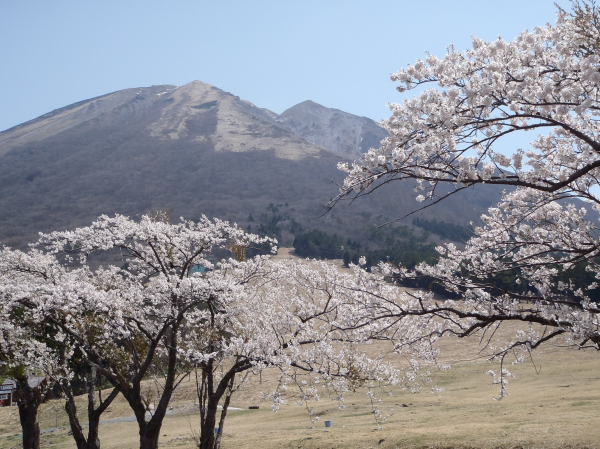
(193, 150)
(196, 112)
(341, 133)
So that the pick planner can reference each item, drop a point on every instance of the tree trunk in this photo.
(93, 414)
(149, 430)
(30, 428)
(28, 401)
(149, 438)
(207, 431)
(209, 398)
(71, 410)
(92, 441)
(226, 402)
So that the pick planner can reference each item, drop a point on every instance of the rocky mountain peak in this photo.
(200, 112)
(344, 134)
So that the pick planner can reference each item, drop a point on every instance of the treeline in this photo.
(269, 226)
(401, 246)
(446, 230)
(398, 245)
(395, 244)
(317, 244)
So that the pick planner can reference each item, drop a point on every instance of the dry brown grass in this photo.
(557, 408)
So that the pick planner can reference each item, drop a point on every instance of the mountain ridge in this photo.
(186, 100)
(340, 132)
(193, 150)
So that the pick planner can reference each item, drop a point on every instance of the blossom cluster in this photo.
(544, 230)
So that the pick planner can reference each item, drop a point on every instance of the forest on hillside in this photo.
(397, 244)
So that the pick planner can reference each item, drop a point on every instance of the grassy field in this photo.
(555, 405)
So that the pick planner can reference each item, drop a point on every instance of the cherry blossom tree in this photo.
(159, 307)
(451, 137)
(27, 395)
(22, 340)
(140, 311)
(37, 294)
(307, 321)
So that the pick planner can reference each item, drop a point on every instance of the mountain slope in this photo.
(192, 150)
(175, 113)
(62, 119)
(341, 133)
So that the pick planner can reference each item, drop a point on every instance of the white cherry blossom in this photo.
(447, 139)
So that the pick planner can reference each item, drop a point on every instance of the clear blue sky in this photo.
(272, 53)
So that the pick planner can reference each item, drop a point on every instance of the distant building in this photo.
(8, 389)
